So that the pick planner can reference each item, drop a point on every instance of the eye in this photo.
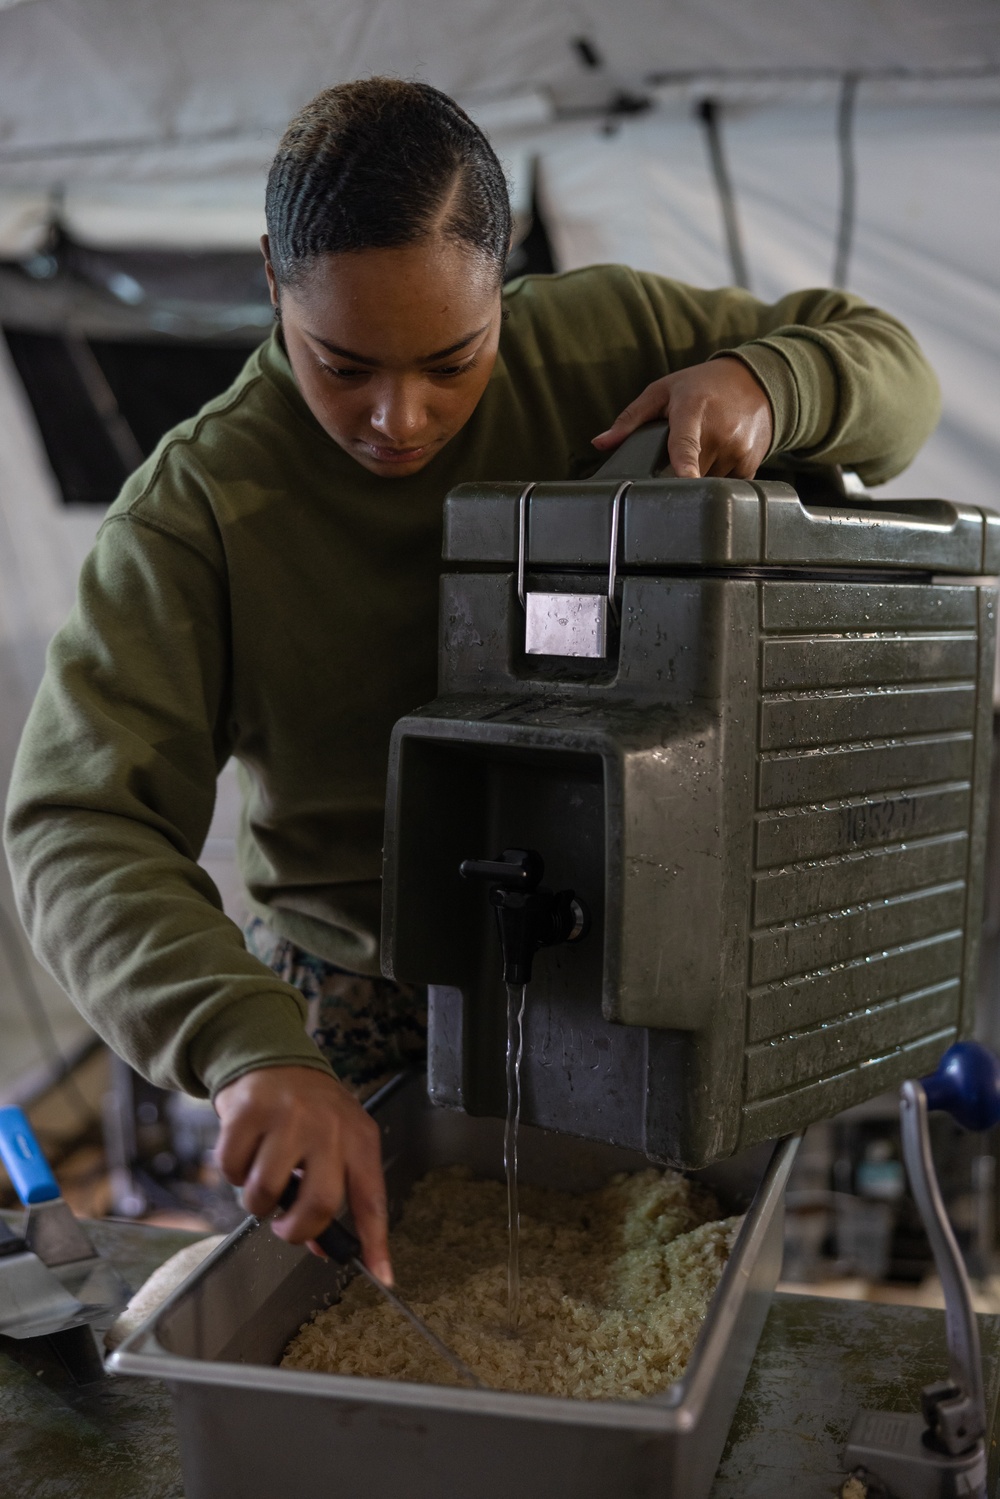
(449, 371)
(346, 373)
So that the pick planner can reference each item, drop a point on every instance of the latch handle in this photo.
(522, 540)
(576, 624)
(522, 543)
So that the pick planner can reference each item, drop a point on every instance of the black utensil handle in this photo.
(336, 1240)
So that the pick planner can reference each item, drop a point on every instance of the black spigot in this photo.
(528, 916)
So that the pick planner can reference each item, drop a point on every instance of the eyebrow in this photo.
(373, 363)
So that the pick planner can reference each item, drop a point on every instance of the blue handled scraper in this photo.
(52, 1278)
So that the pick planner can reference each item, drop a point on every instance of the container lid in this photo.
(667, 522)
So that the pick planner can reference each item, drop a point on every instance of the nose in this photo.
(399, 413)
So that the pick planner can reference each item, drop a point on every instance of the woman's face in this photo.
(392, 349)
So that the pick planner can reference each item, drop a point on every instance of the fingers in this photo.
(684, 441)
(236, 1147)
(321, 1193)
(685, 408)
(721, 421)
(649, 406)
(281, 1119)
(367, 1200)
(320, 1198)
(738, 426)
(272, 1165)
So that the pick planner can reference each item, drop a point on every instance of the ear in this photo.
(272, 280)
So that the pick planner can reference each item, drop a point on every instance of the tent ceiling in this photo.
(79, 79)
(137, 123)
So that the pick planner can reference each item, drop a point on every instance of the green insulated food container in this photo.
(749, 724)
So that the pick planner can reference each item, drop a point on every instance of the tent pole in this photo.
(848, 177)
(708, 113)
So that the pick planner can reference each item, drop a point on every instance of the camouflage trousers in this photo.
(367, 1028)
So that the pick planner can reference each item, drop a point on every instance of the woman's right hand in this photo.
(277, 1119)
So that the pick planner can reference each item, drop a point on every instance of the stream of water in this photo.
(515, 1051)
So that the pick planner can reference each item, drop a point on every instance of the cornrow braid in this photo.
(378, 163)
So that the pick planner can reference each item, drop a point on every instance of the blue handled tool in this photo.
(79, 1286)
(940, 1453)
(27, 1167)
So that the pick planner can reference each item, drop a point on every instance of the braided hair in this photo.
(379, 163)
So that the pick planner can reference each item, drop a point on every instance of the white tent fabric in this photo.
(142, 124)
(126, 88)
(42, 545)
(927, 243)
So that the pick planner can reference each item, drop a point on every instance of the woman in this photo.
(266, 587)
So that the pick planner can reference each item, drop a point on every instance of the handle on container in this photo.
(27, 1167)
(642, 455)
(966, 1085)
(336, 1240)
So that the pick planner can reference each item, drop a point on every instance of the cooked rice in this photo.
(614, 1288)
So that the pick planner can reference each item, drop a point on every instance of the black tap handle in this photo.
(528, 917)
(514, 869)
(336, 1240)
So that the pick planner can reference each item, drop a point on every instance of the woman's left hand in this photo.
(720, 420)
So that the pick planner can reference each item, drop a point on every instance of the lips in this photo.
(395, 455)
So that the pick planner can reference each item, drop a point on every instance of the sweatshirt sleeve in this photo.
(847, 383)
(110, 803)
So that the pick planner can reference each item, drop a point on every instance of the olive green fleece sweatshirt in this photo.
(255, 592)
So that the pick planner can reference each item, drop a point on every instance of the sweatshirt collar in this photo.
(276, 368)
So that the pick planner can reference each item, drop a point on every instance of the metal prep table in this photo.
(818, 1361)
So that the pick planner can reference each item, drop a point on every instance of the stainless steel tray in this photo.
(251, 1430)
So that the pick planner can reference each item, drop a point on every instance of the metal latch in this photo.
(567, 624)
